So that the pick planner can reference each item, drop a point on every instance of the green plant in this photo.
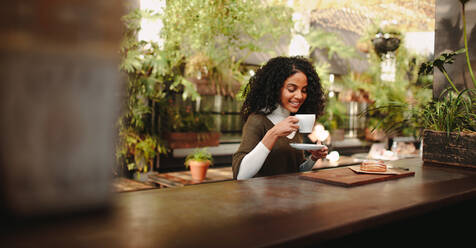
(207, 39)
(335, 115)
(200, 155)
(182, 117)
(212, 38)
(137, 152)
(393, 105)
(445, 57)
(454, 110)
(330, 42)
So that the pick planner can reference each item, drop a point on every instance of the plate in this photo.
(389, 171)
(307, 147)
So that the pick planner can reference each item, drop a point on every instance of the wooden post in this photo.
(58, 104)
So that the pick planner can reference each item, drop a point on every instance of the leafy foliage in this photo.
(451, 112)
(199, 155)
(454, 110)
(445, 57)
(138, 151)
(335, 114)
(182, 117)
(393, 104)
(332, 43)
(213, 37)
(206, 38)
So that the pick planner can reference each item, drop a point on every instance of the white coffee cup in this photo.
(306, 122)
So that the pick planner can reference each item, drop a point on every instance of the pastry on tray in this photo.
(373, 166)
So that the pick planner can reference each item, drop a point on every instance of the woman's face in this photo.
(294, 92)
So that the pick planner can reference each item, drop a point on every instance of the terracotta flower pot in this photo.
(198, 169)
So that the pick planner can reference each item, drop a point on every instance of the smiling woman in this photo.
(284, 85)
(294, 92)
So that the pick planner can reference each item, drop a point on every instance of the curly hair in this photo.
(263, 92)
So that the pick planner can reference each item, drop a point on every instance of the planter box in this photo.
(192, 139)
(457, 149)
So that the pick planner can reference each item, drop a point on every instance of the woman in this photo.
(284, 85)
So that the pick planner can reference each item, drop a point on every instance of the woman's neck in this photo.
(278, 114)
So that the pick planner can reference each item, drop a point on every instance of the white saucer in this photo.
(307, 147)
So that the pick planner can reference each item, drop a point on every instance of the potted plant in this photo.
(450, 134)
(450, 120)
(198, 161)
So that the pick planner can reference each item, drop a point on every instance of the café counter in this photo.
(284, 211)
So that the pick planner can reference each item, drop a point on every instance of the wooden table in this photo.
(121, 184)
(183, 178)
(272, 211)
(343, 161)
(219, 174)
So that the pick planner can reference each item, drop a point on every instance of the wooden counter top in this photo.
(279, 210)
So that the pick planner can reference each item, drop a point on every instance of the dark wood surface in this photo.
(183, 178)
(218, 174)
(281, 210)
(346, 177)
(121, 184)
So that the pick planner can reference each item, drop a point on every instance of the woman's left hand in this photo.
(317, 154)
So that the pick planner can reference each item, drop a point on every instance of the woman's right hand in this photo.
(283, 128)
(286, 126)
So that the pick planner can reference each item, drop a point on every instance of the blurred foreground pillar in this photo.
(59, 84)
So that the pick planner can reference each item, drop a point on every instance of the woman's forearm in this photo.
(253, 161)
(270, 138)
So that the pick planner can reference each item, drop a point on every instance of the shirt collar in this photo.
(278, 114)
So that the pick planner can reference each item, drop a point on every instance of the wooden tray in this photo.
(344, 176)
